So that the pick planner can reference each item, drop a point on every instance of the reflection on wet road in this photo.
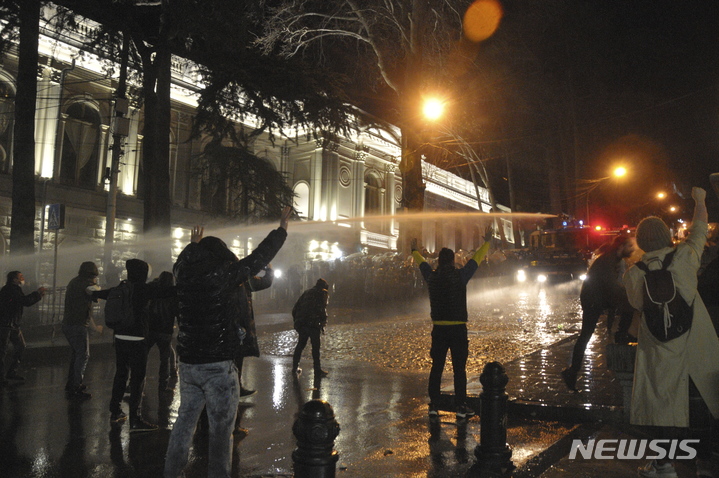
(504, 324)
(378, 363)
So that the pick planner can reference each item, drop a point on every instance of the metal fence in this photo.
(50, 309)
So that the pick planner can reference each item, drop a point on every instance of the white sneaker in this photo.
(655, 470)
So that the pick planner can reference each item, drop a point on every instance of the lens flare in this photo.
(481, 20)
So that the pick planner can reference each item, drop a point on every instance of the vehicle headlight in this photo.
(541, 278)
(521, 275)
(583, 277)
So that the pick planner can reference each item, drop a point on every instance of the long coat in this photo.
(660, 395)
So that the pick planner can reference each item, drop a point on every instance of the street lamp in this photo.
(618, 172)
(433, 109)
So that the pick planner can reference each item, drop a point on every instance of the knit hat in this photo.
(322, 284)
(653, 234)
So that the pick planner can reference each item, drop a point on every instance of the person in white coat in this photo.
(668, 376)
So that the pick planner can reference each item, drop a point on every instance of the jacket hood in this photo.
(137, 270)
(88, 269)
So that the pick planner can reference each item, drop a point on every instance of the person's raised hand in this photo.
(197, 233)
(699, 195)
(285, 217)
(488, 233)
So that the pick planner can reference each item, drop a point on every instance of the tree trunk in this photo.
(23, 171)
(156, 157)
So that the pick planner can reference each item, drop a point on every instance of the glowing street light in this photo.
(661, 195)
(433, 109)
(618, 172)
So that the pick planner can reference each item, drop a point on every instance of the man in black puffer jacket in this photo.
(208, 278)
(448, 310)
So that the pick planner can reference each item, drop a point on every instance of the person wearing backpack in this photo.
(676, 372)
(310, 318)
(76, 321)
(208, 279)
(130, 322)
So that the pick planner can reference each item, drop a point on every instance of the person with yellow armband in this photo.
(448, 309)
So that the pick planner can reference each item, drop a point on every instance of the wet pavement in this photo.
(378, 364)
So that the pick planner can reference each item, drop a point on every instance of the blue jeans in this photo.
(77, 337)
(217, 387)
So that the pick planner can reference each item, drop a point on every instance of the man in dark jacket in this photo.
(448, 309)
(76, 320)
(310, 318)
(131, 345)
(12, 303)
(208, 278)
(603, 291)
(249, 347)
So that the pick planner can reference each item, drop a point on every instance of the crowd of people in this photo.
(209, 294)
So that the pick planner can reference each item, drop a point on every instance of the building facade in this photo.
(348, 190)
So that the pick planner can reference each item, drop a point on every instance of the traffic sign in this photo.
(56, 216)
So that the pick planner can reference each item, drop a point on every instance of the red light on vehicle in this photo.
(597, 228)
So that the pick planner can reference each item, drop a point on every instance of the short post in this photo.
(620, 359)
(493, 454)
(315, 430)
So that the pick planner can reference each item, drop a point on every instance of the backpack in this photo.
(667, 314)
(307, 310)
(118, 308)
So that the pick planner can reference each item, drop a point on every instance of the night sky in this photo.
(635, 82)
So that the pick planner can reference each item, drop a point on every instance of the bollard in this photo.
(493, 454)
(315, 430)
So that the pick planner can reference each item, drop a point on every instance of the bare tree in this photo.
(408, 42)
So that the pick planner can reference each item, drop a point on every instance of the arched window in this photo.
(372, 195)
(81, 145)
(7, 98)
(302, 199)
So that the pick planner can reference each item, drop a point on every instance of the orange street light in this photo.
(620, 171)
(433, 109)
(661, 195)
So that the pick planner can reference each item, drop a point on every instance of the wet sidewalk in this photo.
(382, 415)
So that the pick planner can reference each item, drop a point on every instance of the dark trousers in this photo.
(10, 335)
(130, 360)
(168, 363)
(592, 309)
(452, 338)
(77, 337)
(313, 334)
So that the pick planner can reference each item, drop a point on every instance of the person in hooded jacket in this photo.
(12, 302)
(310, 318)
(75, 323)
(131, 345)
(249, 347)
(448, 310)
(162, 315)
(208, 278)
